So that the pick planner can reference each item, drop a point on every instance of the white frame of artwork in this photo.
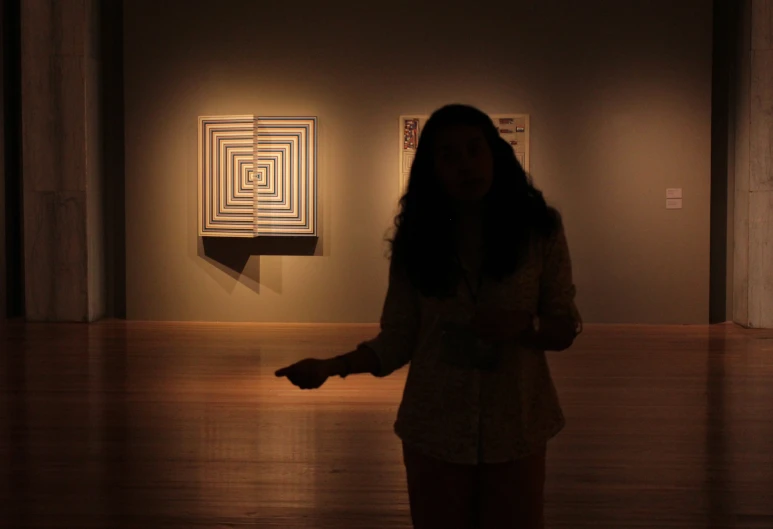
(522, 147)
(257, 176)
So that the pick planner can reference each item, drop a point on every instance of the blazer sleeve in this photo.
(400, 322)
(557, 288)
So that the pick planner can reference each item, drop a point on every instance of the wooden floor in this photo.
(137, 425)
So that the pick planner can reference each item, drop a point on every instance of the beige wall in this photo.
(619, 97)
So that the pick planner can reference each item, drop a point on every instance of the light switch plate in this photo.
(675, 192)
(673, 203)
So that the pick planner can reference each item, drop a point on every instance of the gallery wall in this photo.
(619, 95)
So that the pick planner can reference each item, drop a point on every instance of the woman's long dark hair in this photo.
(514, 211)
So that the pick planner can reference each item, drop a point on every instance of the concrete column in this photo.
(61, 160)
(753, 212)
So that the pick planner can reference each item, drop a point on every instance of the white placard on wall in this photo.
(513, 128)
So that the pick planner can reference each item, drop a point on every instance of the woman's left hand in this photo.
(497, 324)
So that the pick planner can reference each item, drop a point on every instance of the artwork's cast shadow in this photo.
(233, 256)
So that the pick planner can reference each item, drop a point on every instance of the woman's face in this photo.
(464, 162)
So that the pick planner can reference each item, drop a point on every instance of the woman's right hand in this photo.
(310, 373)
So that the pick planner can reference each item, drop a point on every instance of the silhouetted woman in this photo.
(480, 287)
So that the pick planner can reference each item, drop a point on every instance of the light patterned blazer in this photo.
(465, 415)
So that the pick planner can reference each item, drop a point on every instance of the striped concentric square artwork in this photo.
(257, 176)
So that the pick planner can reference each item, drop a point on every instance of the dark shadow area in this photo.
(725, 15)
(235, 252)
(112, 115)
(116, 433)
(14, 245)
(3, 278)
(719, 504)
(15, 440)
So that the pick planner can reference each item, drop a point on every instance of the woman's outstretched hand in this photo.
(310, 373)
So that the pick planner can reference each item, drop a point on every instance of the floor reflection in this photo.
(719, 494)
(131, 425)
